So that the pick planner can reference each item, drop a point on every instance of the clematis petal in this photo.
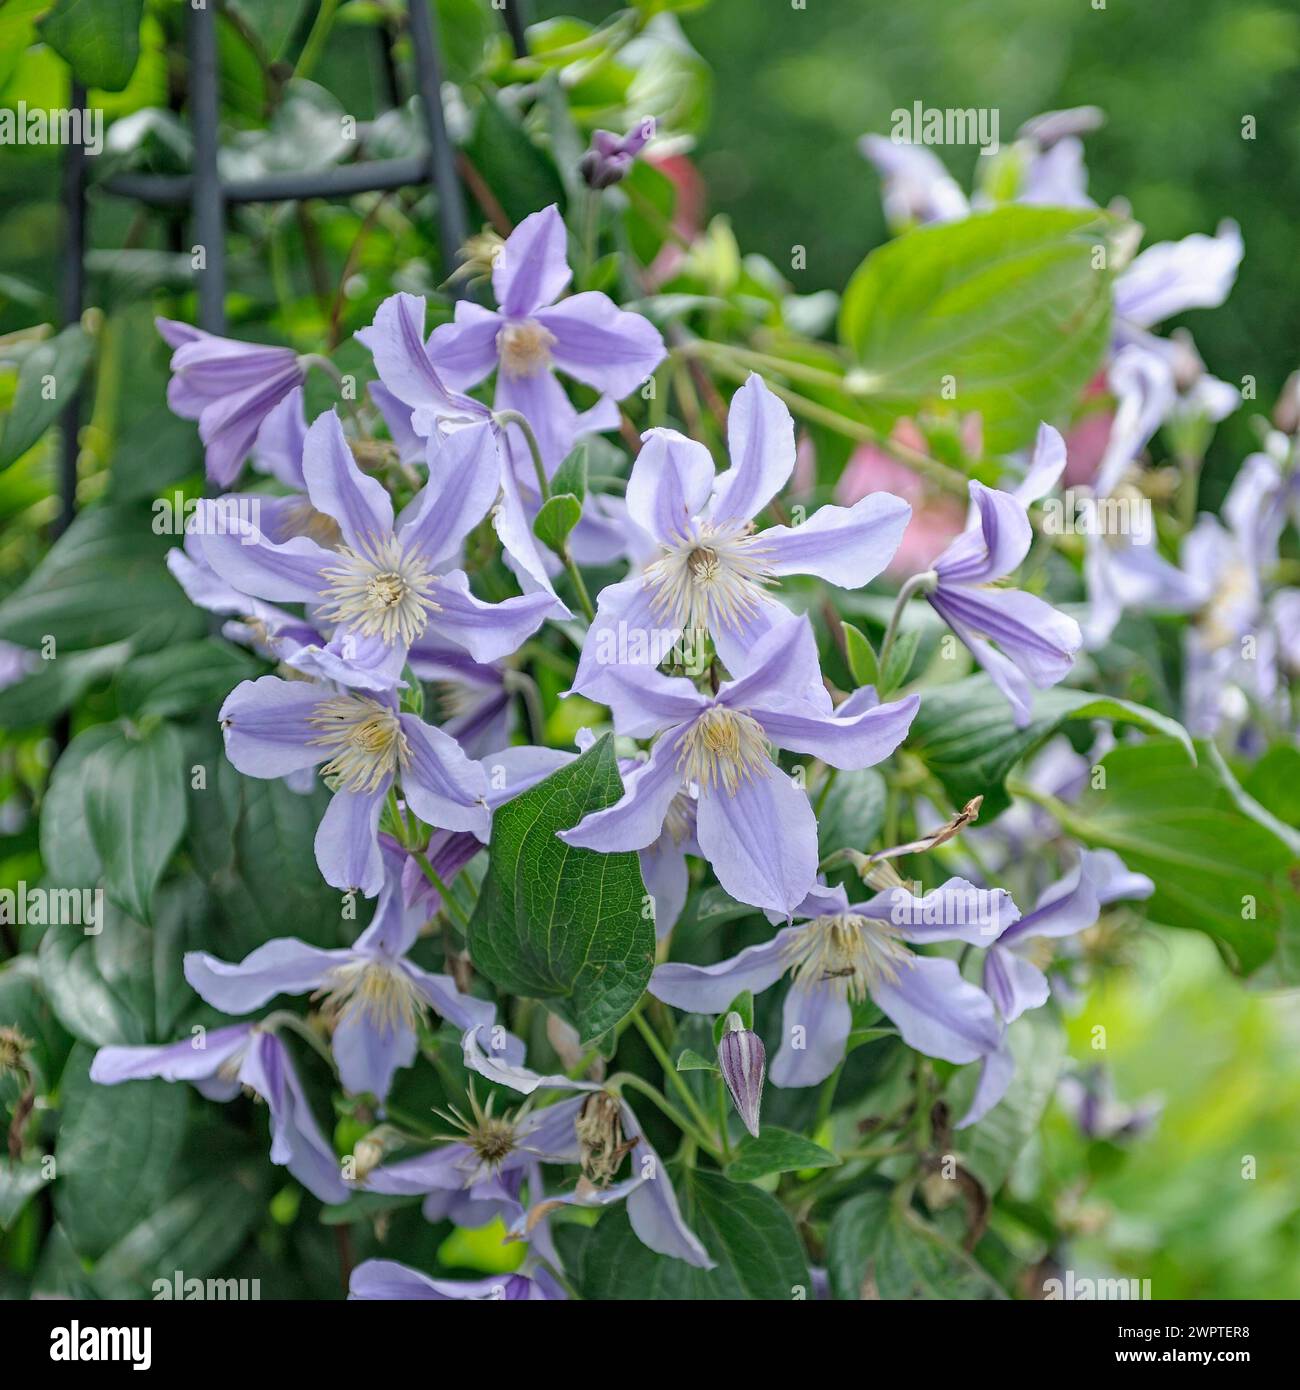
(533, 267)
(487, 631)
(642, 702)
(443, 786)
(338, 488)
(636, 819)
(652, 1205)
(369, 1054)
(708, 989)
(244, 558)
(760, 440)
(283, 966)
(994, 546)
(266, 726)
(396, 341)
(954, 911)
(761, 841)
(606, 347)
(667, 880)
(411, 447)
(861, 740)
(996, 1073)
(278, 450)
(542, 401)
(464, 479)
(848, 546)
(937, 1012)
(179, 1061)
(669, 484)
(781, 665)
(465, 351)
(296, 1138)
(1014, 984)
(815, 1025)
(626, 632)
(1194, 273)
(347, 841)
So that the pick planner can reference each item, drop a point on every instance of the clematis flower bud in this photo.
(743, 1060)
(610, 156)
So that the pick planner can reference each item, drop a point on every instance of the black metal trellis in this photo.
(208, 197)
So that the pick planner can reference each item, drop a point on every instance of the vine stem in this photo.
(513, 417)
(653, 1093)
(672, 1076)
(449, 900)
(918, 583)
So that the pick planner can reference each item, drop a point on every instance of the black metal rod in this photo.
(452, 224)
(517, 23)
(366, 176)
(209, 202)
(72, 300)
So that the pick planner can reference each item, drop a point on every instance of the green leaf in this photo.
(853, 813)
(54, 685)
(122, 984)
(863, 666)
(742, 1004)
(967, 736)
(555, 518)
(688, 1060)
(522, 176)
(1221, 863)
(117, 1146)
(135, 810)
(1007, 304)
(571, 475)
(47, 381)
(744, 1229)
(990, 1148)
(898, 662)
(99, 39)
(183, 678)
(67, 850)
(878, 1248)
(103, 581)
(20, 1181)
(777, 1151)
(560, 923)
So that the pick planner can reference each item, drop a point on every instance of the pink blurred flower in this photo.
(936, 519)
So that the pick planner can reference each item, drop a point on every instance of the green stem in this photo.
(672, 1075)
(316, 39)
(513, 417)
(724, 1102)
(579, 585)
(651, 1092)
(449, 900)
(918, 583)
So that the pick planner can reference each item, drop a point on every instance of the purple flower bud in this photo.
(743, 1060)
(611, 156)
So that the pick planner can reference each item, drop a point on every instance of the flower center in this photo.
(364, 738)
(383, 995)
(599, 1128)
(723, 746)
(525, 348)
(1224, 616)
(492, 1138)
(712, 577)
(852, 950)
(380, 591)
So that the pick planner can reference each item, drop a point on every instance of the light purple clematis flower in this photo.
(846, 953)
(221, 1063)
(533, 331)
(229, 387)
(607, 1130)
(1012, 979)
(917, 186)
(374, 1280)
(1124, 569)
(1091, 1101)
(1172, 276)
(389, 582)
(1035, 645)
(274, 727)
(373, 996)
(705, 569)
(752, 823)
